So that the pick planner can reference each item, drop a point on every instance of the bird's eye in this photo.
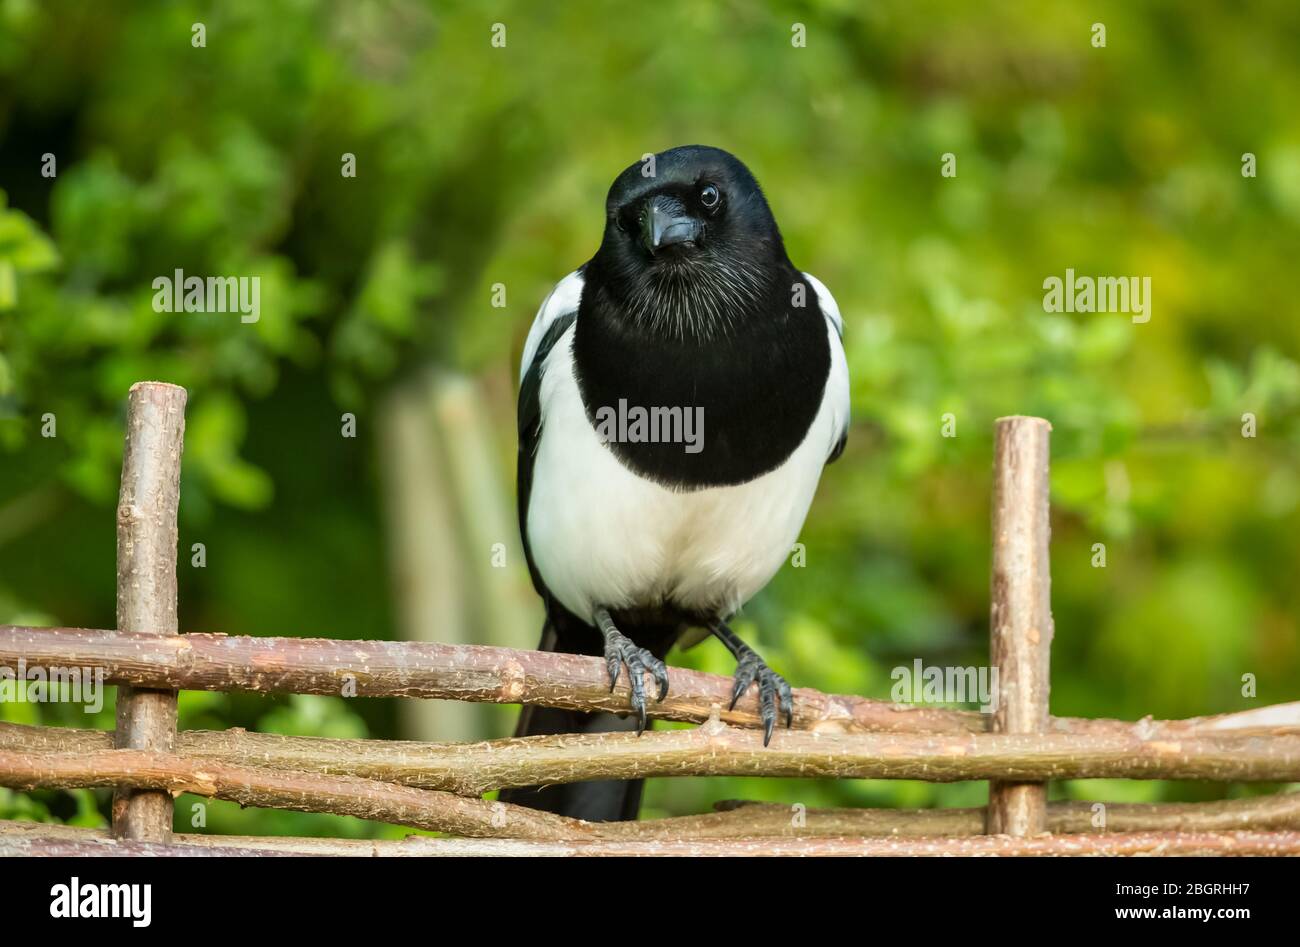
(710, 196)
(628, 221)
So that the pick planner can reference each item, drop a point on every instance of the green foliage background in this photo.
(479, 165)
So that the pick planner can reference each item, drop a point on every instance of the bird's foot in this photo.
(621, 650)
(771, 688)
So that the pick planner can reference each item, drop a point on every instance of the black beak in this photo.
(667, 224)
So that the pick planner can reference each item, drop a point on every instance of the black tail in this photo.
(606, 800)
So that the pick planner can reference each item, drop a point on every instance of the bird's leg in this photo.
(619, 650)
(749, 666)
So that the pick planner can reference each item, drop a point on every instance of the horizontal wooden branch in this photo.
(414, 762)
(502, 675)
(430, 670)
(38, 833)
(716, 750)
(427, 765)
(303, 792)
(91, 843)
(64, 841)
(1277, 811)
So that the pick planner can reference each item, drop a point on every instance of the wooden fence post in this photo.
(146, 587)
(1020, 617)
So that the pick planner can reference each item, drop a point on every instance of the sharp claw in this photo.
(614, 666)
(767, 705)
(638, 700)
(744, 677)
(736, 691)
(661, 675)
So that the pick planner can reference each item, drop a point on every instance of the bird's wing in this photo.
(837, 383)
(562, 301)
(557, 313)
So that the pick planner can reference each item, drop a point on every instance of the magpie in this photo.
(635, 533)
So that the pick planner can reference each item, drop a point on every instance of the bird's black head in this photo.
(690, 245)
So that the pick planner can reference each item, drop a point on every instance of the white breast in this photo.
(601, 535)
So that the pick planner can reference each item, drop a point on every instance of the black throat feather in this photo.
(724, 337)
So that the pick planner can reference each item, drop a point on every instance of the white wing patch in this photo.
(837, 383)
(830, 308)
(563, 299)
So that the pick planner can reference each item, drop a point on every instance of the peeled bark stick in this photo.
(505, 676)
(146, 585)
(1021, 611)
(301, 792)
(474, 768)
